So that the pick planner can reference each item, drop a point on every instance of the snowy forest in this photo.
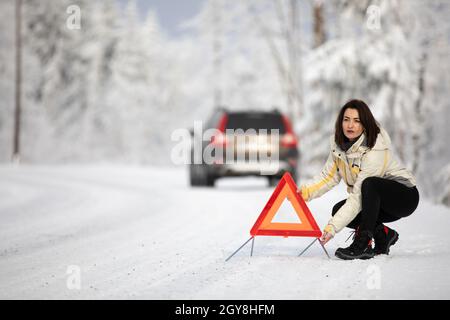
(113, 89)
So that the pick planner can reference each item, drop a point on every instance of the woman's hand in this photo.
(325, 237)
(327, 234)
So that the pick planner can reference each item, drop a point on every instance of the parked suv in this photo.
(243, 144)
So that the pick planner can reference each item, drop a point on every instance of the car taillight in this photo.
(222, 123)
(220, 139)
(288, 140)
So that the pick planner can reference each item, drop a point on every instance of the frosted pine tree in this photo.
(100, 45)
(58, 67)
(134, 96)
(7, 64)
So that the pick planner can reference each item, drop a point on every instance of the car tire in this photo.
(273, 180)
(294, 175)
(197, 176)
(210, 180)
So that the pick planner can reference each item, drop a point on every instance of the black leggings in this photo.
(382, 201)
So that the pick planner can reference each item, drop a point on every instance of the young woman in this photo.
(380, 189)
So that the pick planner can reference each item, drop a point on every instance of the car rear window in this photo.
(256, 121)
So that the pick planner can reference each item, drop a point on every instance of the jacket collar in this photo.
(383, 142)
(357, 146)
(361, 142)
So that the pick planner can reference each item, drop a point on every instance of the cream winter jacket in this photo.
(353, 166)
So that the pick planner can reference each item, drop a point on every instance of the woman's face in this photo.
(351, 124)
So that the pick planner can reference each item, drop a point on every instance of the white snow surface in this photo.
(143, 233)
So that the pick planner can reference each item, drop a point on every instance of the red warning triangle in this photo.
(264, 225)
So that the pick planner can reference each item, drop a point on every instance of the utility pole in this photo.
(17, 111)
(217, 52)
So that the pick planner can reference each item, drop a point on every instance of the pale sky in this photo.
(170, 12)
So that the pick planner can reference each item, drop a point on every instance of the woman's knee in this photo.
(370, 184)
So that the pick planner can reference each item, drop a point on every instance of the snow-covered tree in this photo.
(59, 62)
(382, 53)
(7, 56)
(138, 94)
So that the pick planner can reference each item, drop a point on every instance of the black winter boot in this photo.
(384, 238)
(361, 248)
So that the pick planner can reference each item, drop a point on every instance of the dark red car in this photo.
(246, 143)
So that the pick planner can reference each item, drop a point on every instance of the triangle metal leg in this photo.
(239, 249)
(253, 243)
(323, 247)
(308, 247)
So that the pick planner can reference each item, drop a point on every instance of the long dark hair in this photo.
(369, 123)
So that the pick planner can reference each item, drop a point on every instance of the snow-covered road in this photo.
(133, 232)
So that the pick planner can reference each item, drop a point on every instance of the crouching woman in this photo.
(380, 189)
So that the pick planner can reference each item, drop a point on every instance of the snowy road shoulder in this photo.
(127, 232)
